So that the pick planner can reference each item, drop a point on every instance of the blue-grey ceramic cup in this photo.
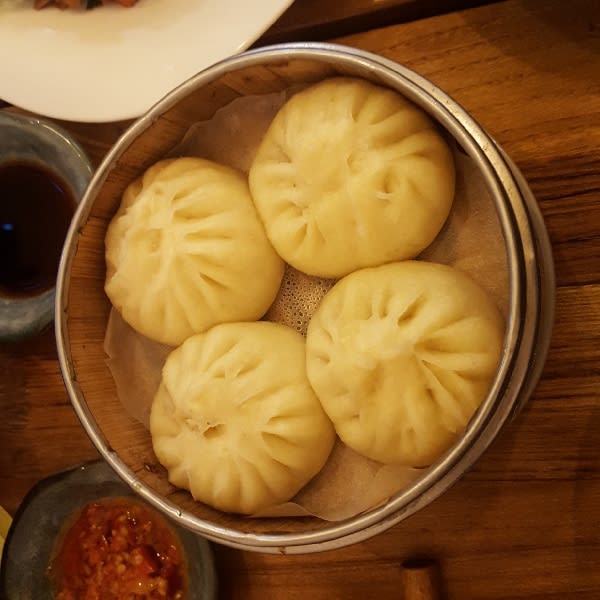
(38, 142)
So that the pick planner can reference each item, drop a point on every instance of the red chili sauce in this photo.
(119, 549)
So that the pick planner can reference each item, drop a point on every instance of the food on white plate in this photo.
(80, 4)
(186, 250)
(235, 420)
(401, 356)
(351, 175)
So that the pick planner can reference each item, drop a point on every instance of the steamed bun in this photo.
(186, 250)
(235, 420)
(401, 356)
(351, 175)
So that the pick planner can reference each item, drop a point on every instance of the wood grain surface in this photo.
(524, 523)
(318, 20)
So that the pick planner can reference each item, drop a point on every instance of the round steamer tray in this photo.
(529, 322)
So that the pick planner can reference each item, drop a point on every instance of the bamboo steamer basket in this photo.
(82, 308)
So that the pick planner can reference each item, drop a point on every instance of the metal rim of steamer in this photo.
(529, 324)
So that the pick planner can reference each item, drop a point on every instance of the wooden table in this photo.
(525, 522)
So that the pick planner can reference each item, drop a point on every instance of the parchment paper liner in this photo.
(471, 240)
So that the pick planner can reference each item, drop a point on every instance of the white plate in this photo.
(114, 63)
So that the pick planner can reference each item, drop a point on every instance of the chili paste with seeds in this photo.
(118, 549)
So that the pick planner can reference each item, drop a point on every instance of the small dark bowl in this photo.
(41, 142)
(44, 512)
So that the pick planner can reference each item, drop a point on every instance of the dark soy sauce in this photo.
(36, 208)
